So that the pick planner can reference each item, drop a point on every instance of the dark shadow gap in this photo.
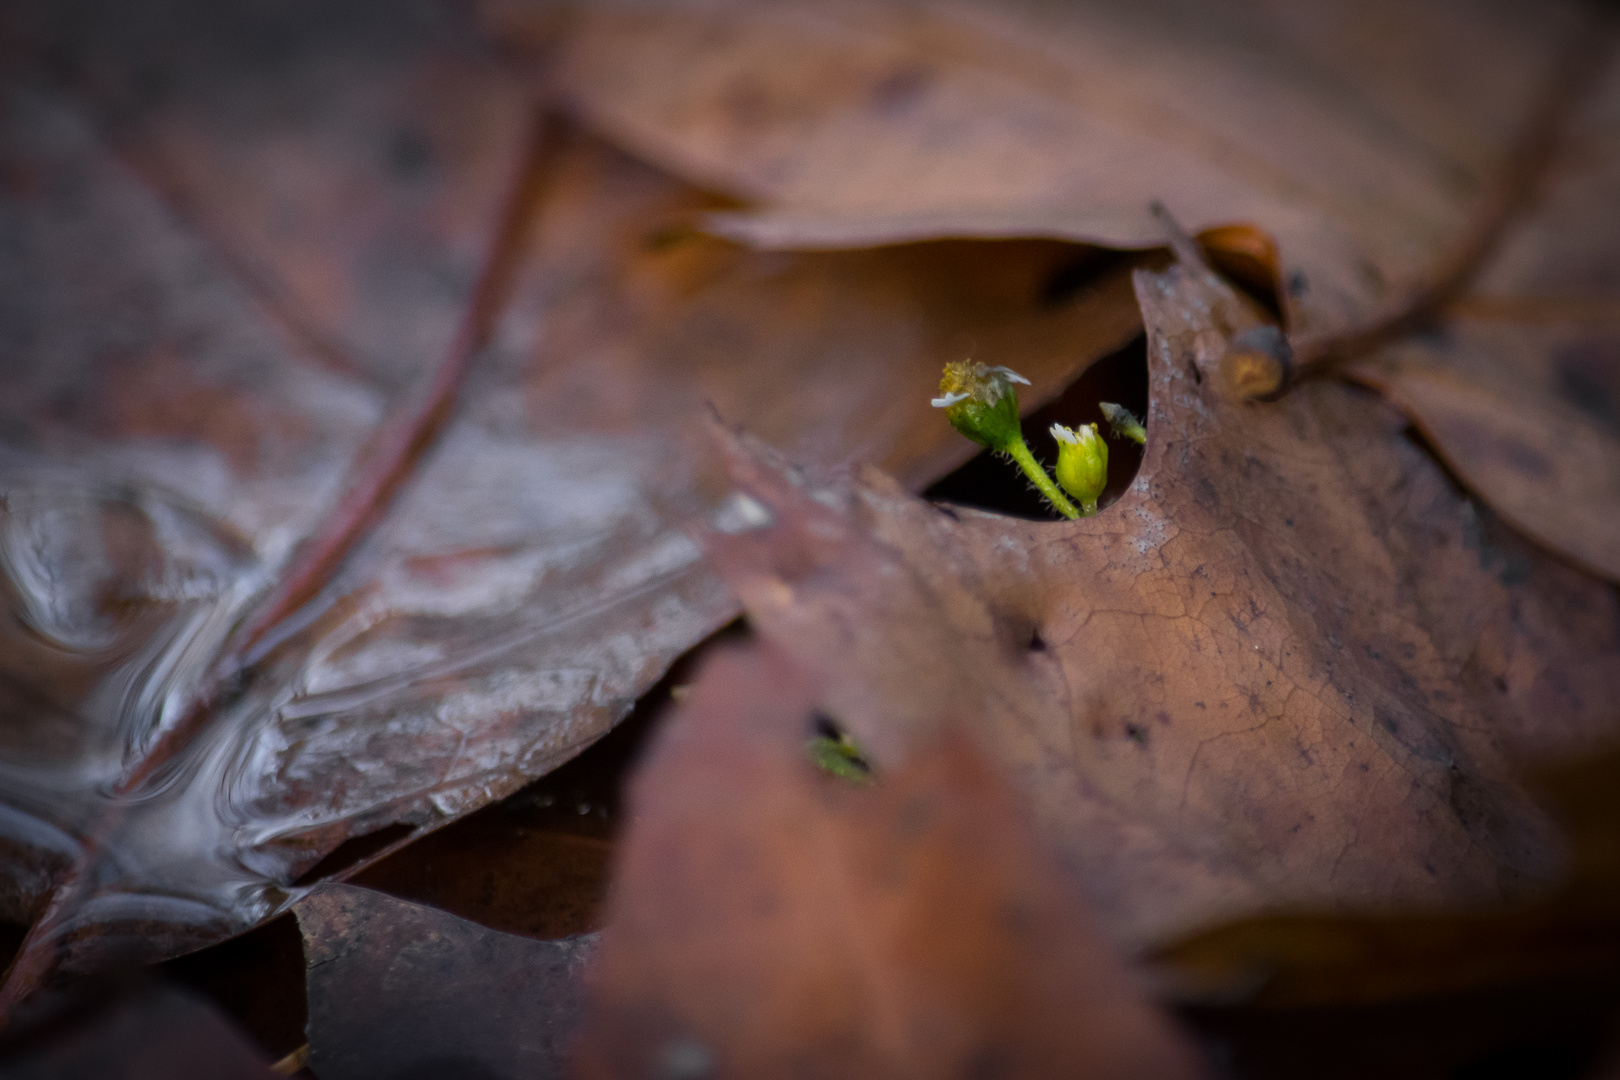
(354, 850)
(1546, 1029)
(257, 978)
(12, 936)
(987, 483)
(1087, 266)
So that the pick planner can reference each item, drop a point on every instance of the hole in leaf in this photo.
(1036, 642)
(825, 727)
(832, 750)
(989, 483)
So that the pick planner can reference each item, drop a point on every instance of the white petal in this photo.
(1012, 376)
(948, 400)
(1064, 435)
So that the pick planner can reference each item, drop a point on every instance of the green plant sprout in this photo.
(1124, 423)
(981, 403)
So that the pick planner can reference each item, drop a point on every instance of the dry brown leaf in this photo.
(769, 920)
(1360, 135)
(1521, 392)
(1299, 960)
(1292, 665)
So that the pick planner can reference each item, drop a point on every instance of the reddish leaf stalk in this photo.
(388, 461)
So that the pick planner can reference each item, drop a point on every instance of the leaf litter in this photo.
(859, 124)
(533, 578)
(1334, 725)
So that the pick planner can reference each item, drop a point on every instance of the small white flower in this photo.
(1064, 435)
(948, 400)
(1012, 375)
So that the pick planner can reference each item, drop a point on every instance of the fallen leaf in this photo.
(863, 124)
(1291, 666)
(192, 392)
(1521, 392)
(399, 990)
(767, 918)
(1303, 960)
(857, 124)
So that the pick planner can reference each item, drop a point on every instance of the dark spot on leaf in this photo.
(1017, 916)
(916, 816)
(409, 155)
(1137, 734)
(899, 89)
(1522, 457)
(1205, 495)
(1589, 379)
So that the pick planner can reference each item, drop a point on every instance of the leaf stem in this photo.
(1019, 452)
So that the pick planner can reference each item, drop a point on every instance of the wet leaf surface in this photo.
(768, 918)
(398, 991)
(1293, 665)
(535, 575)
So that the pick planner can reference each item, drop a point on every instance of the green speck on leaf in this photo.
(839, 756)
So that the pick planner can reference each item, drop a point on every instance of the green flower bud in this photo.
(981, 403)
(1082, 464)
(1124, 422)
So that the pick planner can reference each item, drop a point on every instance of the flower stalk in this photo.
(981, 403)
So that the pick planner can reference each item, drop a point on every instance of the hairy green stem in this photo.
(1032, 469)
